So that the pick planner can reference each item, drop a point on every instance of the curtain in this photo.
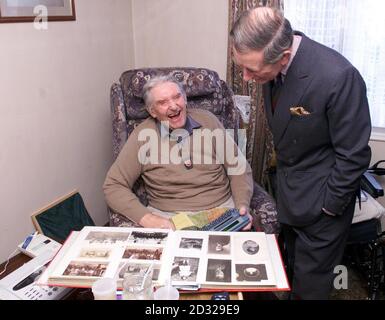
(356, 29)
(259, 149)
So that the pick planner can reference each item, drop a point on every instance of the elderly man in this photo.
(179, 172)
(316, 106)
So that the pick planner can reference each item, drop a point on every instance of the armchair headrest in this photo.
(196, 81)
(202, 86)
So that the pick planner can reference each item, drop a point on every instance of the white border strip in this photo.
(378, 134)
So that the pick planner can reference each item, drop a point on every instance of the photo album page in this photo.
(189, 259)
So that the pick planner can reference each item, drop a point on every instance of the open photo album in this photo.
(189, 259)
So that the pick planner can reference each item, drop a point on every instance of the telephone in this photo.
(35, 244)
(21, 284)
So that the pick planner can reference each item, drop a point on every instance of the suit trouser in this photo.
(314, 251)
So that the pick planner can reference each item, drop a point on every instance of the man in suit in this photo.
(317, 109)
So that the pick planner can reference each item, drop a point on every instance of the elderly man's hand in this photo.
(245, 211)
(151, 220)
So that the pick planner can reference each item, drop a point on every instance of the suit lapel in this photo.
(296, 82)
(291, 94)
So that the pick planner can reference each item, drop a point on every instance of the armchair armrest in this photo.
(263, 211)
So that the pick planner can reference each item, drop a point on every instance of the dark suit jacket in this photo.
(321, 156)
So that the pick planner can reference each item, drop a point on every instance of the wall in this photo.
(55, 127)
(181, 33)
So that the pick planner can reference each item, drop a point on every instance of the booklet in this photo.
(197, 220)
(189, 259)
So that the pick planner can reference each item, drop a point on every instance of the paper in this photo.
(196, 221)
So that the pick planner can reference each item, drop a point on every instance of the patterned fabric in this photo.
(205, 90)
(203, 87)
(259, 138)
(263, 210)
(260, 148)
(119, 220)
(119, 120)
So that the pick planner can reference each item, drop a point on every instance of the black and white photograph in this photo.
(218, 270)
(191, 243)
(143, 237)
(97, 253)
(99, 237)
(155, 272)
(250, 247)
(85, 269)
(133, 269)
(184, 269)
(143, 253)
(219, 244)
(250, 272)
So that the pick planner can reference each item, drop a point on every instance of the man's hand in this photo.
(151, 220)
(245, 211)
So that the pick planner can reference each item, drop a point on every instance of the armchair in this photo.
(204, 89)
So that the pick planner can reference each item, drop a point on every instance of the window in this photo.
(354, 28)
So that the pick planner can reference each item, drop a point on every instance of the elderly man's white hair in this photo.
(157, 80)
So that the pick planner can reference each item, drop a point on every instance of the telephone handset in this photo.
(21, 284)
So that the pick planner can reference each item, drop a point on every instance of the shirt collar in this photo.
(189, 126)
(296, 42)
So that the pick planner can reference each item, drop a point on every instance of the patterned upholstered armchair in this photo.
(204, 90)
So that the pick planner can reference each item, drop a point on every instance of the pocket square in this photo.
(299, 111)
